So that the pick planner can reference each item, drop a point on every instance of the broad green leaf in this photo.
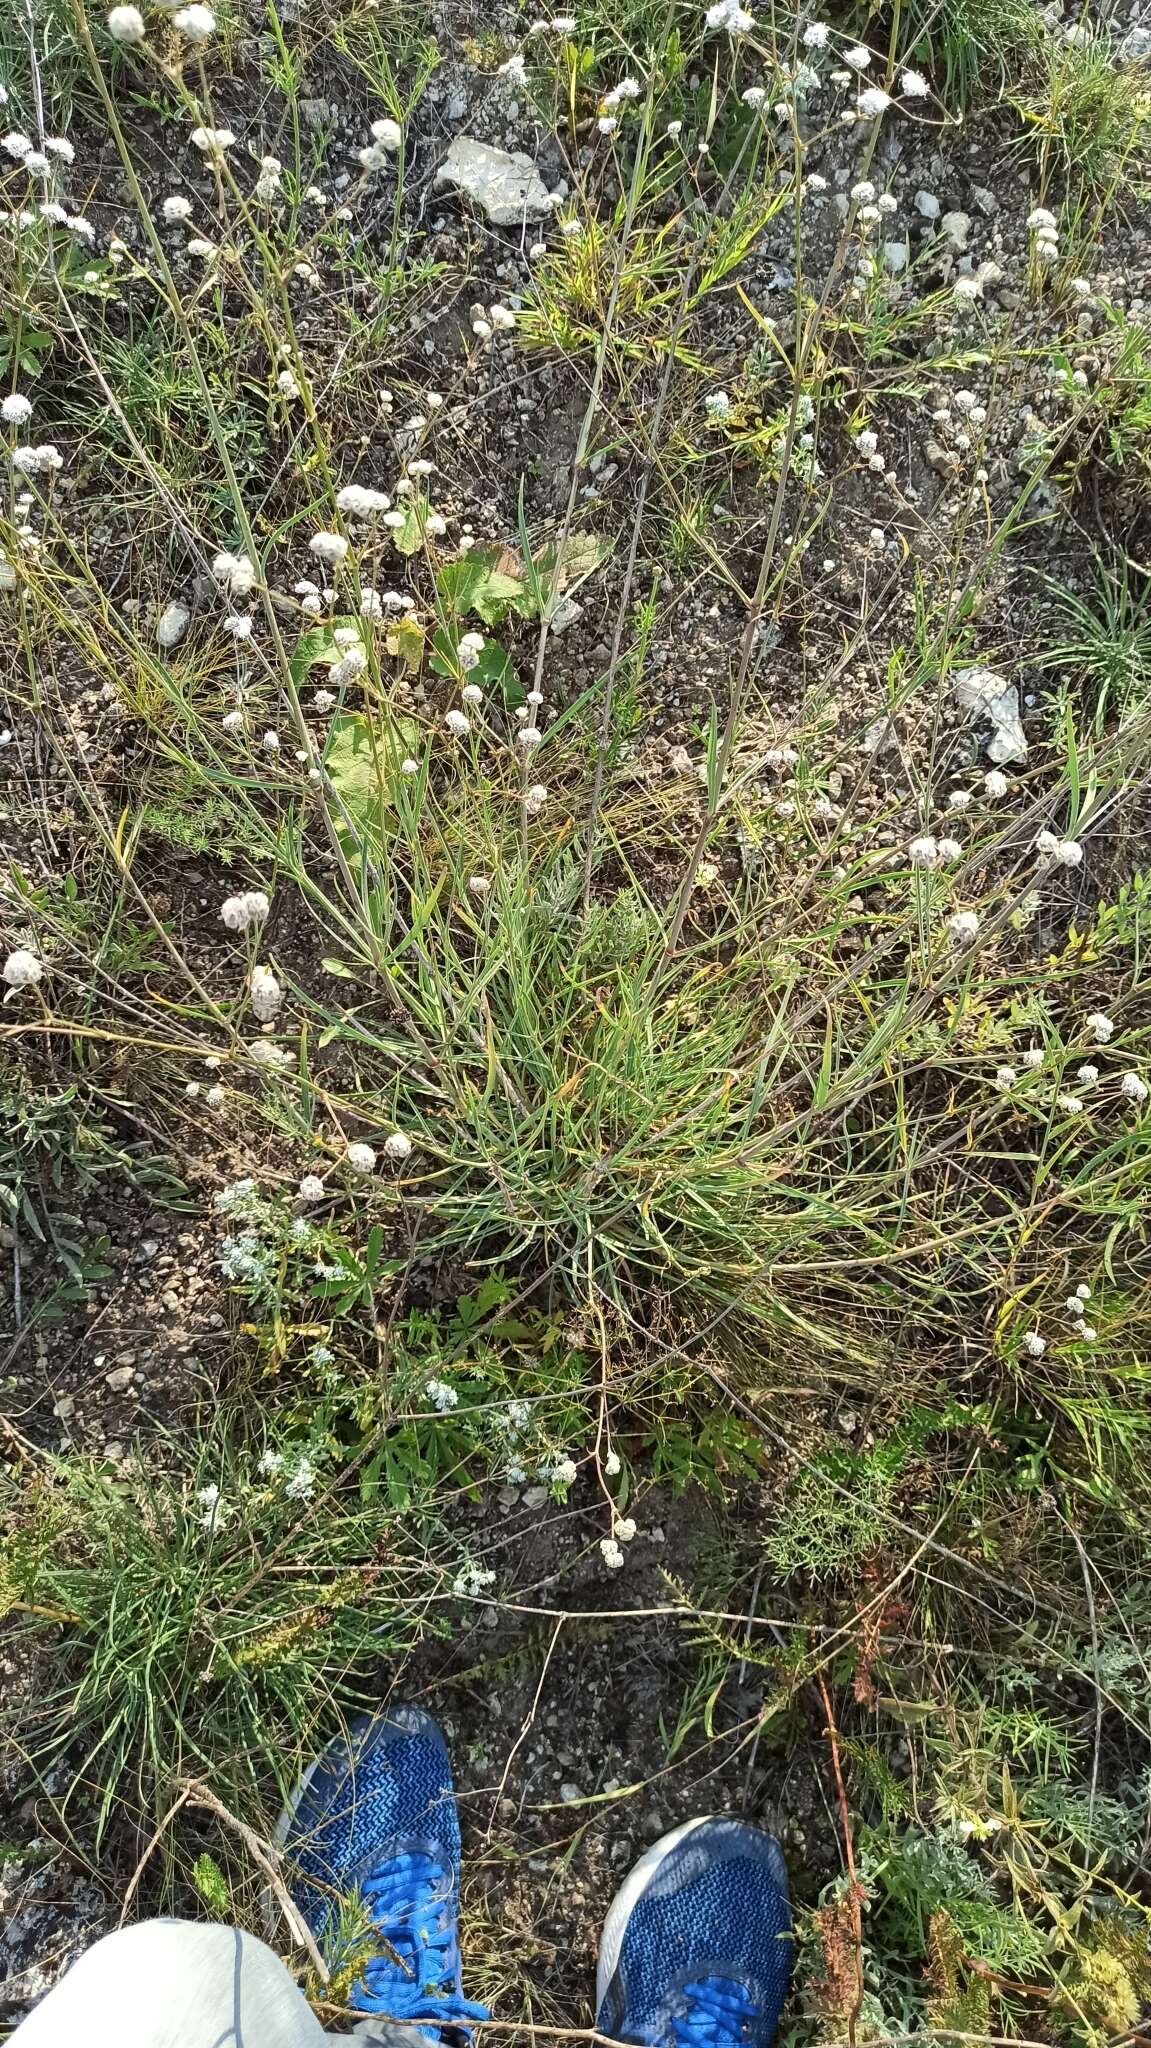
(315, 646)
(493, 670)
(486, 581)
(406, 638)
(565, 567)
(409, 538)
(362, 758)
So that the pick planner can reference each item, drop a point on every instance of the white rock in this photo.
(566, 613)
(956, 227)
(895, 257)
(172, 624)
(120, 1378)
(928, 205)
(985, 695)
(507, 186)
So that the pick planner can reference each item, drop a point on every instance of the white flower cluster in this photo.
(44, 460)
(267, 994)
(196, 24)
(22, 969)
(234, 573)
(1063, 853)
(387, 136)
(929, 852)
(360, 502)
(126, 25)
(728, 17)
(1044, 230)
(329, 548)
(471, 1580)
(212, 142)
(241, 913)
(267, 186)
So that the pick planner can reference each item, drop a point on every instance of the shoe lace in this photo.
(406, 1899)
(714, 2012)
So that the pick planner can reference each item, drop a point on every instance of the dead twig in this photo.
(263, 1854)
(149, 1851)
(855, 1889)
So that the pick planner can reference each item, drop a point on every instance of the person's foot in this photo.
(375, 1817)
(696, 1949)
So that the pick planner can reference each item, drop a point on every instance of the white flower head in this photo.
(611, 1464)
(22, 969)
(535, 798)
(1005, 1077)
(963, 927)
(730, 16)
(361, 1158)
(442, 1395)
(126, 25)
(196, 24)
(267, 994)
(241, 913)
(1101, 1027)
(457, 724)
(311, 1188)
(924, 851)
(1034, 1344)
(1068, 853)
(16, 409)
(328, 548)
(611, 1553)
(913, 85)
(995, 784)
(872, 102)
(397, 1147)
(1071, 1105)
(212, 142)
(816, 35)
(209, 1496)
(858, 57)
(302, 1484)
(1134, 1088)
(235, 572)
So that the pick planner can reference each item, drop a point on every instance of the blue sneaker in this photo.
(697, 1947)
(375, 1815)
